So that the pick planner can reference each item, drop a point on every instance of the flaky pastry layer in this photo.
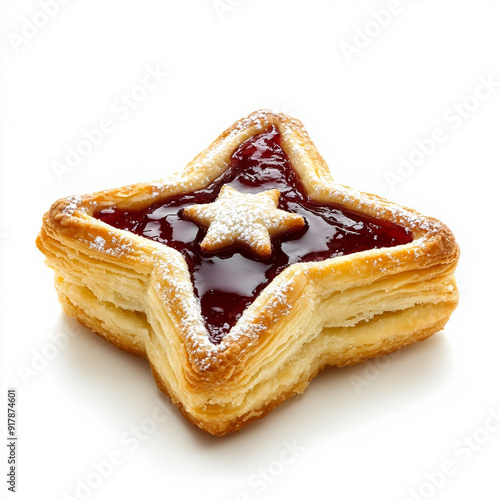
(138, 294)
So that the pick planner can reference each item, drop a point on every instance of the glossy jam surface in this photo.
(228, 281)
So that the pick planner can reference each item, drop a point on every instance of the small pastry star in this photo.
(245, 219)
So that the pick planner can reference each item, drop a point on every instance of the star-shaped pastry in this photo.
(244, 219)
(230, 336)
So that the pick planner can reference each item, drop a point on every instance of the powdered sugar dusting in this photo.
(73, 203)
(116, 247)
(98, 244)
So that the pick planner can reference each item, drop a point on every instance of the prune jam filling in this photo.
(228, 281)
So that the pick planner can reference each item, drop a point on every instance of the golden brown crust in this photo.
(138, 294)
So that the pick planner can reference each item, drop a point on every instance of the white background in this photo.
(80, 403)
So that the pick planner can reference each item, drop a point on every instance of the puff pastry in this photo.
(141, 294)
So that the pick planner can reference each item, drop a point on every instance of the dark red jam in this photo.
(228, 281)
